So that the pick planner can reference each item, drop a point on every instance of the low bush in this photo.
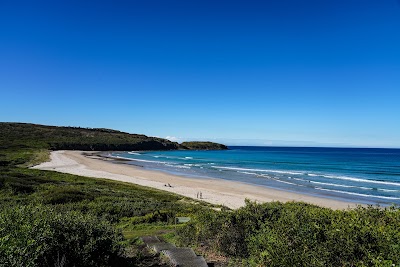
(298, 234)
(62, 195)
(40, 236)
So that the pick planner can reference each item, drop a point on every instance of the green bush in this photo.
(298, 234)
(40, 236)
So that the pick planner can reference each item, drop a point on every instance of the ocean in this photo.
(359, 175)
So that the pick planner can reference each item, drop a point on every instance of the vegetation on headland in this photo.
(54, 219)
(196, 145)
(76, 138)
(26, 135)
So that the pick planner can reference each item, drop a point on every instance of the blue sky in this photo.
(240, 72)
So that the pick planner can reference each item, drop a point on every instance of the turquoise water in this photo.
(365, 176)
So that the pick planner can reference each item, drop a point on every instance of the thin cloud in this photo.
(173, 138)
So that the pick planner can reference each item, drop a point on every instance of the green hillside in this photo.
(26, 135)
(57, 138)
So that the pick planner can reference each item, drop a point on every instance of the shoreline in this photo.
(216, 191)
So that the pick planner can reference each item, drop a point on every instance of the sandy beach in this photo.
(215, 191)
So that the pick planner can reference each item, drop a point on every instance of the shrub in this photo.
(298, 234)
(40, 236)
(62, 195)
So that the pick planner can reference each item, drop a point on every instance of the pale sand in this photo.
(215, 191)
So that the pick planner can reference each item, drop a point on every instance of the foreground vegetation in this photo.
(40, 235)
(54, 219)
(47, 218)
(299, 234)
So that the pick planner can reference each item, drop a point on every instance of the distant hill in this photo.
(26, 135)
(58, 138)
(195, 145)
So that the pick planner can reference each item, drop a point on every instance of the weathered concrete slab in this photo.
(185, 257)
(158, 247)
(182, 253)
(179, 257)
(150, 239)
(197, 262)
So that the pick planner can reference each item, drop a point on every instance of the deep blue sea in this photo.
(361, 175)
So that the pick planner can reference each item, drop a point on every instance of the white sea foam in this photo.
(360, 180)
(188, 158)
(257, 170)
(285, 182)
(367, 188)
(162, 156)
(341, 185)
(119, 157)
(337, 177)
(140, 160)
(134, 153)
(250, 173)
(353, 179)
(358, 194)
(178, 166)
(388, 190)
(192, 164)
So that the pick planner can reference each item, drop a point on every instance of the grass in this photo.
(36, 157)
(111, 199)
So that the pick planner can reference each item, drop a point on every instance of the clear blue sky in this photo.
(241, 72)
